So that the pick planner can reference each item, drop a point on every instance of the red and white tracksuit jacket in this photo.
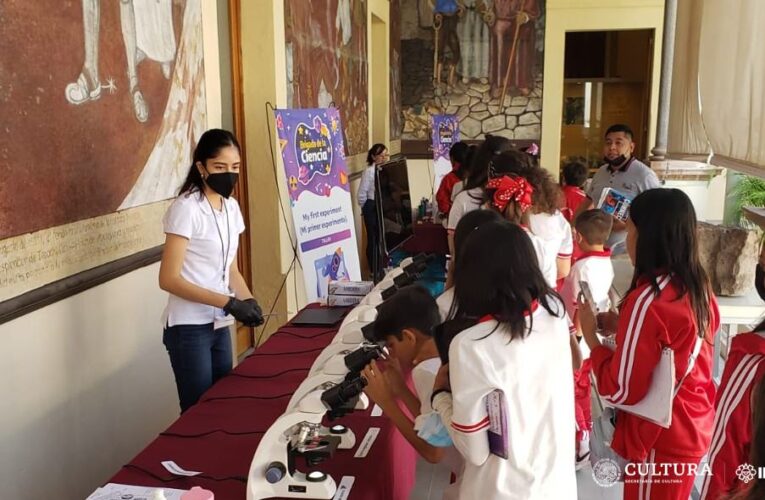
(732, 434)
(647, 324)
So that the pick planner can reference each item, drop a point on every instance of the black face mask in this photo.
(616, 162)
(222, 183)
(759, 281)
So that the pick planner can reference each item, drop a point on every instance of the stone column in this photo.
(658, 153)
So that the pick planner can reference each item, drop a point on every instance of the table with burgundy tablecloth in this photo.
(428, 237)
(219, 435)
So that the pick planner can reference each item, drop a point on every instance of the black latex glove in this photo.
(247, 311)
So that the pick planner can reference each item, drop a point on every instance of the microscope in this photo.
(341, 365)
(299, 433)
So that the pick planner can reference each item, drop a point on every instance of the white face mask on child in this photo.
(432, 430)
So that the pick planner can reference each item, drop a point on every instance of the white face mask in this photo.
(432, 430)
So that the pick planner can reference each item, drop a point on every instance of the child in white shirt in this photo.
(467, 225)
(594, 264)
(404, 324)
(593, 267)
(519, 346)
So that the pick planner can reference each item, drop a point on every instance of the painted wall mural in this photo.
(479, 59)
(102, 103)
(327, 62)
(396, 123)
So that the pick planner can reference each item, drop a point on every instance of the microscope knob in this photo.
(275, 472)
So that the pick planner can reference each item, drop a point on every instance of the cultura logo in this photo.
(606, 472)
(746, 472)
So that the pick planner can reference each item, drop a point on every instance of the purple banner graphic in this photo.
(446, 132)
(311, 142)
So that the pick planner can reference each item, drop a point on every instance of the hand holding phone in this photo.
(586, 292)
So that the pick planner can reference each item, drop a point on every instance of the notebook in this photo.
(320, 316)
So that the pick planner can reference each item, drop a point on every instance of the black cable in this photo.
(291, 334)
(274, 169)
(293, 244)
(256, 353)
(203, 434)
(273, 305)
(182, 478)
(226, 398)
(242, 375)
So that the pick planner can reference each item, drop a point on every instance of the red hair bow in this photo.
(510, 188)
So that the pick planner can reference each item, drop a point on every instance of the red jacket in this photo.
(647, 324)
(444, 193)
(733, 425)
(574, 197)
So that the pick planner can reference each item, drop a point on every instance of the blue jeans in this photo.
(200, 356)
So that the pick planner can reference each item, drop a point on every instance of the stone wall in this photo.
(479, 113)
(729, 254)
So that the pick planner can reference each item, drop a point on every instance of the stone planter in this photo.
(729, 254)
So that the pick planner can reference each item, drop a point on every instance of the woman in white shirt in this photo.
(199, 269)
(519, 347)
(365, 196)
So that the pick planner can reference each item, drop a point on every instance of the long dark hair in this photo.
(374, 151)
(667, 243)
(478, 171)
(209, 146)
(497, 274)
(465, 227)
(546, 190)
(756, 488)
(757, 447)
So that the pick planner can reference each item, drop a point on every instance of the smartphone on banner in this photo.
(497, 409)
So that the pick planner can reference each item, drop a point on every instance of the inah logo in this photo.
(606, 472)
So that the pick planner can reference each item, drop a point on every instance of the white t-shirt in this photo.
(535, 375)
(444, 302)
(366, 186)
(213, 235)
(547, 264)
(423, 377)
(464, 202)
(596, 269)
(555, 233)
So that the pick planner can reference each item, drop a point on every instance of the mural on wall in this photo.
(102, 104)
(396, 124)
(326, 42)
(478, 59)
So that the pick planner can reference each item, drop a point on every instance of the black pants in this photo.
(369, 213)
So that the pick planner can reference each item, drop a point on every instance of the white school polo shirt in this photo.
(596, 269)
(555, 233)
(192, 217)
(535, 375)
(547, 264)
(423, 378)
(464, 202)
(444, 303)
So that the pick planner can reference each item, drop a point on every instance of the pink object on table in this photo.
(197, 493)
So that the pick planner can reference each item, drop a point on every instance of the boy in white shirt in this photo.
(593, 267)
(405, 323)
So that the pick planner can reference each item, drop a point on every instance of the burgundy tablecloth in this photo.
(220, 434)
(428, 238)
